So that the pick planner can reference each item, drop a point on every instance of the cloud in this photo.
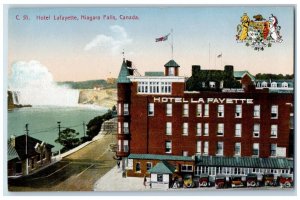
(114, 42)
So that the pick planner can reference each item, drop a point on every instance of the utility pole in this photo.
(58, 123)
(26, 150)
(83, 124)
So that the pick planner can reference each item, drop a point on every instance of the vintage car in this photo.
(269, 180)
(238, 181)
(220, 181)
(188, 181)
(204, 180)
(285, 180)
(251, 180)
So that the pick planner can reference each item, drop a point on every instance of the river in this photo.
(43, 120)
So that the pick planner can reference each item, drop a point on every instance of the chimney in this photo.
(128, 63)
(196, 70)
(129, 67)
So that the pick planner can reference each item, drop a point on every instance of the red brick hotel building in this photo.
(213, 130)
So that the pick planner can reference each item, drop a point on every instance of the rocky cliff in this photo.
(103, 97)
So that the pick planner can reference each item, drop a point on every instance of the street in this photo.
(76, 172)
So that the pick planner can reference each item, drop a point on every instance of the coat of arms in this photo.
(260, 32)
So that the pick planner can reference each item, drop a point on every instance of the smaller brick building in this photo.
(21, 162)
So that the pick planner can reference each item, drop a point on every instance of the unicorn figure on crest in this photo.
(274, 29)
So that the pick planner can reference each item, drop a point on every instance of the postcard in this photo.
(150, 98)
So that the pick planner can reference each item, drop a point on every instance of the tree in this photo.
(94, 126)
(68, 138)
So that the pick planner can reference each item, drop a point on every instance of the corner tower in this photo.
(123, 101)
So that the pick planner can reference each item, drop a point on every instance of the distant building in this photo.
(38, 155)
(215, 122)
(98, 87)
(278, 86)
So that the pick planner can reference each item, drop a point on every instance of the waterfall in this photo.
(35, 86)
(15, 97)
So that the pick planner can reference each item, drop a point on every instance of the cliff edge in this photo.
(103, 97)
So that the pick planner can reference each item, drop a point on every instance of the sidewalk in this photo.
(113, 181)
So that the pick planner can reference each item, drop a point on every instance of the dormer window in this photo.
(212, 84)
(264, 84)
(258, 85)
(284, 85)
(273, 84)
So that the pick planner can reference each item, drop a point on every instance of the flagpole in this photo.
(172, 47)
(221, 59)
(209, 54)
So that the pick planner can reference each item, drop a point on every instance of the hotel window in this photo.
(185, 153)
(237, 149)
(149, 165)
(126, 129)
(206, 110)
(169, 109)
(125, 145)
(220, 131)
(119, 109)
(273, 84)
(274, 112)
(185, 109)
(198, 147)
(168, 147)
(212, 84)
(256, 112)
(187, 168)
(206, 129)
(160, 178)
(154, 87)
(199, 129)
(255, 150)
(273, 149)
(274, 130)
(220, 148)
(119, 127)
(238, 130)
(169, 128)
(171, 71)
(220, 110)
(151, 109)
(205, 150)
(238, 111)
(137, 167)
(256, 130)
(264, 84)
(185, 128)
(119, 145)
(199, 110)
(126, 109)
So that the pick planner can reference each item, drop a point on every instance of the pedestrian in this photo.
(145, 181)
(118, 163)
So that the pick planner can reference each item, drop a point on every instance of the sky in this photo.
(81, 50)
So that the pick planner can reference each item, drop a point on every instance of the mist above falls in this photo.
(35, 86)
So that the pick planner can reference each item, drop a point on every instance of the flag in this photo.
(219, 56)
(163, 38)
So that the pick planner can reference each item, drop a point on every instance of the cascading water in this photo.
(35, 86)
(15, 97)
